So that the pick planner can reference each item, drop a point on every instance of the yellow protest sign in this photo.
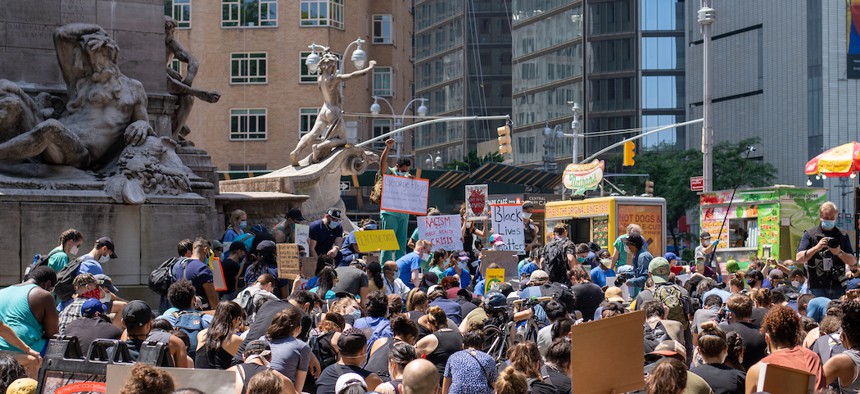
(374, 240)
(494, 276)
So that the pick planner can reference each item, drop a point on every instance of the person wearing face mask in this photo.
(349, 249)
(394, 220)
(797, 277)
(461, 270)
(584, 255)
(826, 250)
(103, 251)
(620, 256)
(391, 280)
(285, 231)
(238, 226)
(326, 236)
(410, 264)
(69, 245)
(530, 228)
(199, 273)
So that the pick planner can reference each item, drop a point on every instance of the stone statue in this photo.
(329, 128)
(180, 87)
(103, 122)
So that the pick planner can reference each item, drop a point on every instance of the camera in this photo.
(622, 279)
(832, 242)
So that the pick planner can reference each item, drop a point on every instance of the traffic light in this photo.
(504, 140)
(649, 188)
(629, 152)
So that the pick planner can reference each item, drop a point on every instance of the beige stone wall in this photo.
(283, 95)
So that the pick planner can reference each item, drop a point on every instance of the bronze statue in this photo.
(180, 87)
(329, 128)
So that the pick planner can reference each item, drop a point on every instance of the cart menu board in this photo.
(600, 231)
(768, 224)
(650, 218)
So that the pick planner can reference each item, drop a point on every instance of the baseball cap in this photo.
(463, 255)
(347, 380)
(528, 269)
(498, 241)
(430, 279)
(613, 294)
(106, 241)
(705, 235)
(659, 270)
(267, 246)
(635, 240)
(106, 282)
(296, 214)
(258, 347)
(700, 255)
(670, 348)
(91, 307)
(136, 314)
(335, 213)
(216, 244)
(528, 205)
(84, 279)
(351, 341)
(539, 275)
(370, 225)
(670, 256)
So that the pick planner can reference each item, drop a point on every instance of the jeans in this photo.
(832, 293)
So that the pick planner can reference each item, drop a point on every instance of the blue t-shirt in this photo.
(325, 237)
(231, 234)
(349, 249)
(406, 264)
(465, 277)
(598, 276)
(198, 273)
(90, 266)
(479, 287)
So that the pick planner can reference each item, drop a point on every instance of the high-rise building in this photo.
(253, 52)
(621, 61)
(463, 68)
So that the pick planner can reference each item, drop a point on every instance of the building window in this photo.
(249, 13)
(180, 10)
(380, 127)
(248, 68)
(383, 83)
(322, 13)
(307, 118)
(382, 29)
(178, 66)
(247, 124)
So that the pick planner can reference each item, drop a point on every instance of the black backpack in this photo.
(161, 278)
(653, 336)
(321, 347)
(38, 261)
(560, 293)
(555, 261)
(65, 280)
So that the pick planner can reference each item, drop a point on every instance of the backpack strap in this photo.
(483, 370)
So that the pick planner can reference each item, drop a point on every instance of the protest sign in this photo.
(505, 259)
(218, 274)
(374, 240)
(307, 266)
(495, 276)
(302, 233)
(476, 202)
(508, 222)
(404, 195)
(441, 230)
(210, 381)
(774, 378)
(288, 261)
(591, 352)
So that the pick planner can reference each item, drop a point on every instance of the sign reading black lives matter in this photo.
(508, 222)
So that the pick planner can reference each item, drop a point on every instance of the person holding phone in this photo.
(826, 250)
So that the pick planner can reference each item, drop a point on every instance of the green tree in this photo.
(472, 161)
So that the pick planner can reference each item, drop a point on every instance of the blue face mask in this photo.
(243, 224)
(356, 314)
(828, 224)
(580, 259)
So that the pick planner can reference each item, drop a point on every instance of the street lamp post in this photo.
(550, 142)
(707, 16)
(375, 109)
(574, 127)
(433, 163)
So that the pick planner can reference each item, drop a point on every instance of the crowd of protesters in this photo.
(426, 322)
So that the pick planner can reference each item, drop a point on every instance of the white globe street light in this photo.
(359, 57)
(375, 109)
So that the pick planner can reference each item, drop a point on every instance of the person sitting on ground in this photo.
(526, 357)
(844, 368)
(30, 311)
(442, 343)
(10, 371)
(327, 280)
(182, 297)
(399, 356)
(352, 279)
(267, 381)
(256, 359)
(656, 318)
(290, 356)
(92, 325)
(781, 328)
(420, 377)
(264, 260)
(147, 379)
(86, 287)
(353, 351)
(554, 312)
(252, 297)
(461, 376)
(713, 348)
(511, 381)
(558, 364)
(460, 268)
(378, 361)
(376, 324)
(587, 296)
(670, 349)
(735, 353)
(137, 319)
(739, 311)
(217, 344)
(668, 377)
(392, 284)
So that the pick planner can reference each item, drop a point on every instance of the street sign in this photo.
(345, 186)
(697, 183)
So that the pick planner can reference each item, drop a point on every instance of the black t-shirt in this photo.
(231, 271)
(560, 380)
(757, 316)
(263, 320)
(819, 278)
(89, 329)
(722, 378)
(328, 377)
(588, 298)
(754, 344)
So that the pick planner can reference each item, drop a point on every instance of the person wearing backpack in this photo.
(674, 297)
(103, 251)
(559, 256)
(69, 244)
(90, 263)
(182, 299)
(198, 273)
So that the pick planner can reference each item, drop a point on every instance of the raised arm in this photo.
(358, 73)
(67, 41)
(383, 159)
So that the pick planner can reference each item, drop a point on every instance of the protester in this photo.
(673, 350)
(656, 320)
(327, 281)
(403, 330)
(231, 266)
(86, 287)
(198, 273)
(69, 245)
(826, 250)
(621, 257)
(399, 356)
(416, 305)
(29, 310)
(268, 382)
(798, 280)
(285, 230)
(182, 300)
(559, 255)
(325, 236)
(396, 221)
(137, 318)
(526, 357)
(735, 352)
(256, 359)
(668, 377)
(237, 228)
(218, 344)
(437, 264)
(460, 374)
(470, 234)
(10, 371)
(252, 297)
(844, 368)
(264, 259)
(452, 309)
(442, 342)
(420, 377)
(147, 379)
(713, 349)
(290, 356)
(781, 328)
(391, 280)
(103, 251)
(588, 296)
(353, 351)
(409, 266)
(602, 271)
(349, 248)
(558, 365)
(511, 381)
(584, 255)
(376, 324)
(531, 230)
(554, 312)
(640, 260)
(92, 325)
(353, 280)
(739, 309)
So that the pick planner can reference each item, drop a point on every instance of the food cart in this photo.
(760, 222)
(603, 219)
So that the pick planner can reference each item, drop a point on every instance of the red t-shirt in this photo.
(802, 359)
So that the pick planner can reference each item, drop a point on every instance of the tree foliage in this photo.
(472, 161)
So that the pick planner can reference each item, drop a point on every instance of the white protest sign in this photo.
(302, 233)
(442, 230)
(476, 202)
(508, 222)
(404, 195)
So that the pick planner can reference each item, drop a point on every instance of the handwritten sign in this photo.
(404, 195)
(302, 233)
(495, 276)
(442, 230)
(508, 222)
(373, 240)
(288, 261)
(476, 202)
(307, 266)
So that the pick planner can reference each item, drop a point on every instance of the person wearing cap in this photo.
(137, 319)
(285, 231)
(675, 263)
(620, 256)
(256, 359)
(195, 270)
(92, 325)
(397, 221)
(325, 236)
(349, 249)
(602, 271)
(69, 244)
(391, 280)
(497, 242)
(103, 251)
(350, 383)
(460, 268)
(635, 246)
(86, 287)
(674, 349)
(231, 266)
(701, 268)
(706, 247)
(353, 352)
(264, 260)
(530, 228)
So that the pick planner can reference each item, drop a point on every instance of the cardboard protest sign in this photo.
(288, 261)
(476, 202)
(508, 222)
(210, 381)
(302, 233)
(778, 379)
(374, 240)
(404, 195)
(307, 266)
(505, 259)
(495, 276)
(218, 274)
(591, 352)
(441, 230)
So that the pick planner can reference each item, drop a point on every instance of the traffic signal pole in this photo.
(638, 136)
(429, 122)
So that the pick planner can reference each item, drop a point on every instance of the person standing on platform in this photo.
(394, 220)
